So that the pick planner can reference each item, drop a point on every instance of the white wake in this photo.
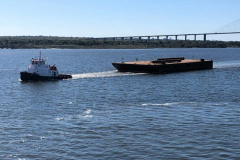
(226, 64)
(103, 74)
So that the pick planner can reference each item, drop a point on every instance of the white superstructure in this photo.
(39, 67)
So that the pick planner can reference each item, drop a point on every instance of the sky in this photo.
(116, 18)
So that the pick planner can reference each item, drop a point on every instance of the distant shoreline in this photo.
(45, 42)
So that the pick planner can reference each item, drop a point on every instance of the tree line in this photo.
(30, 42)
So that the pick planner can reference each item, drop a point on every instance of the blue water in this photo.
(103, 114)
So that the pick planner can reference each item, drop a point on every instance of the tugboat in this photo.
(38, 70)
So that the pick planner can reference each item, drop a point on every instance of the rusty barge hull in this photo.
(164, 65)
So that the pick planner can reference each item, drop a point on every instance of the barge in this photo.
(38, 70)
(164, 65)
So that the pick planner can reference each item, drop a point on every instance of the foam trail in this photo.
(102, 74)
(169, 104)
(226, 64)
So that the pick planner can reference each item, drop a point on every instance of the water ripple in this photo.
(104, 114)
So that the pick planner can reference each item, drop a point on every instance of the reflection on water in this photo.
(104, 114)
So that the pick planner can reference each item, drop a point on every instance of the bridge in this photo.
(157, 37)
(232, 28)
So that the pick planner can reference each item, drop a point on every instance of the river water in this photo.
(103, 114)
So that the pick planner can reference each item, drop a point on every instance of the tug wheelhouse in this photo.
(39, 70)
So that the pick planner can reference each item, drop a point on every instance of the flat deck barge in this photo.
(164, 65)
